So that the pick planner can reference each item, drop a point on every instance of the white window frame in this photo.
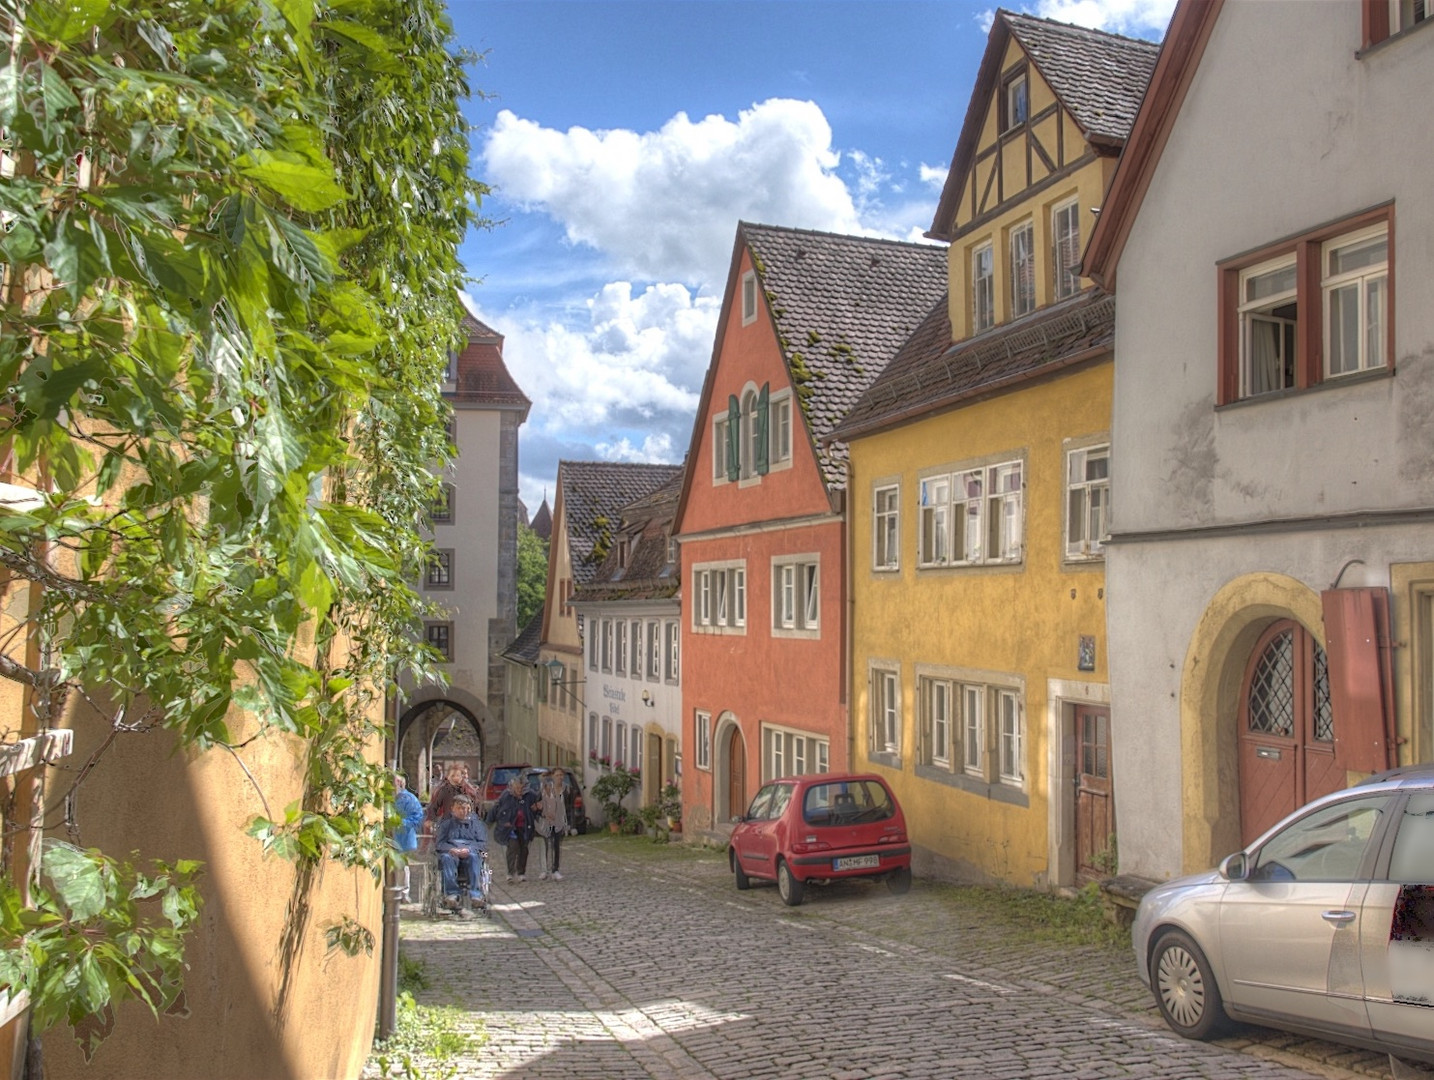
(886, 528)
(638, 659)
(634, 759)
(593, 733)
(593, 649)
(606, 751)
(719, 448)
(791, 751)
(1006, 510)
(619, 745)
(971, 698)
(1372, 337)
(1010, 88)
(1261, 310)
(721, 591)
(884, 685)
(972, 516)
(983, 287)
(779, 427)
(1087, 503)
(674, 639)
(703, 731)
(933, 542)
(1021, 245)
(1011, 728)
(749, 297)
(1065, 248)
(620, 659)
(796, 595)
(936, 712)
(654, 649)
(607, 645)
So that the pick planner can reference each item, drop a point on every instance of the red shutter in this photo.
(1356, 623)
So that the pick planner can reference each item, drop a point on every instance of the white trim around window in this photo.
(972, 514)
(796, 596)
(721, 592)
(972, 731)
(703, 734)
(884, 712)
(1087, 502)
(749, 297)
(792, 752)
(886, 526)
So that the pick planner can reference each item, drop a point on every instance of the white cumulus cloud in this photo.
(663, 205)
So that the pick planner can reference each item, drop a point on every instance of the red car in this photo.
(495, 782)
(825, 827)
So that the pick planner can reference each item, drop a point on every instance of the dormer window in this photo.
(1015, 101)
(624, 552)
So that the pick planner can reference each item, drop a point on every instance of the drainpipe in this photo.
(388, 977)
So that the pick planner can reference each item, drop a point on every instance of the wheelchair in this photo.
(433, 887)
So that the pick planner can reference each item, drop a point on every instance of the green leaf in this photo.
(304, 187)
(77, 878)
(65, 21)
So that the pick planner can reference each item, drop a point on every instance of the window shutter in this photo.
(734, 437)
(763, 430)
(1361, 689)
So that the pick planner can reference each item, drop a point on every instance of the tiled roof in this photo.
(481, 377)
(1100, 77)
(543, 521)
(843, 305)
(478, 330)
(646, 574)
(929, 373)
(594, 494)
(524, 647)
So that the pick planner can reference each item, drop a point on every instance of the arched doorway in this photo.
(431, 734)
(1286, 728)
(736, 773)
(729, 779)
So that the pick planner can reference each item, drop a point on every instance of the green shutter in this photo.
(762, 430)
(734, 438)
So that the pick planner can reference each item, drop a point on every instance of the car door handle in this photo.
(1338, 917)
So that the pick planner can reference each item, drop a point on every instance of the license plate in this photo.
(856, 862)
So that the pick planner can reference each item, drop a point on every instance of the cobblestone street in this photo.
(647, 964)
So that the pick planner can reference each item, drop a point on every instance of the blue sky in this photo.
(626, 138)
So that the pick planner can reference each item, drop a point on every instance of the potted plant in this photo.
(610, 789)
(670, 804)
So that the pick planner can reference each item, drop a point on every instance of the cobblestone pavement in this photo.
(647, 964)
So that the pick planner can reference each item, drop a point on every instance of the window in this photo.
(450, 366)
(1385, 17)
(749, 297)
(796, 593)
(607, 644)
(1065, 254)
(593, 650)
(1307, 310)
(621, 667)
(1011, 718)
(781, 434)
(634, 757)
(674, 635)
(442, 510)
(637, 660)
(936, 721)
(983, 289)
(972, 517)
(654, 650)
(440, 569)
(607, 739)
(1023, 269)
(973, 729)
(789, 752)
(755, 419)
(1413, 858)
(619, 745)
(440, 638)
(592, 734)
(561, 694)
(721, 591)
(885, 712)
(1087, 501)
(1015, 101)
(704, 740)
(1326, 845)
(886, 528)
(1356, 301)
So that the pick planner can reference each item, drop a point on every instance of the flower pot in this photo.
(613, 827)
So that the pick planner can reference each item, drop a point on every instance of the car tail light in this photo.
(893, 838)
(577, 802)
(811, 843)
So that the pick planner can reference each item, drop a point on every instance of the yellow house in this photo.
(979, 485)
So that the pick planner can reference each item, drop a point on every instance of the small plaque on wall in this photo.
(1085, 659)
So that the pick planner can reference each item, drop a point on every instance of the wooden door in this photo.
(736, 774)
(1286, 729)
(1095, 804)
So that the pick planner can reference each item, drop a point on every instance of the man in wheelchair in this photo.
(461, 840)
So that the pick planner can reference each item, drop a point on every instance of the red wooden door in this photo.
(736, 774)
(1286, 729)
(1095, 805)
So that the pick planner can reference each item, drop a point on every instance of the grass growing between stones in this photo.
(426, 1039)
(1038, 916)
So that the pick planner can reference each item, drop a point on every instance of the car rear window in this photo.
(503, 777)
(847, 802)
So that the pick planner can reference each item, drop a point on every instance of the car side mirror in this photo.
(737, 819)
(1235, 867)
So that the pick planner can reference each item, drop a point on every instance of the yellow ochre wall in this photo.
(1023, 620)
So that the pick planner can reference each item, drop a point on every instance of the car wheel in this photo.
(790, 888)
(1185, 987)
(743, 881)
(899, 881)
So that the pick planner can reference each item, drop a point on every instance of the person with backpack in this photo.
(514, 820)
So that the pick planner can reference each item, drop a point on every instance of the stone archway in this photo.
(722, 809)
(1210, 685)
(439, 725)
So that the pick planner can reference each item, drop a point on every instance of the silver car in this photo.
(1324, 925)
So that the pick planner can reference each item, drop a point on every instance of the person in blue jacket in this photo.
(410, 814)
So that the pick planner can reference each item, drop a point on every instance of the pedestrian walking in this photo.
(410, 814)
(515, 821)
(552, 820)
(456, 783)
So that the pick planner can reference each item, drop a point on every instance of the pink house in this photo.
(808, 321)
